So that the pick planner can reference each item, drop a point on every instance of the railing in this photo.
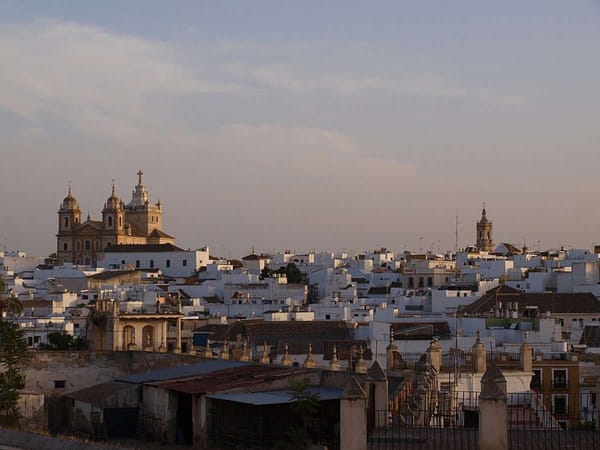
(552, 420)
(450, 420)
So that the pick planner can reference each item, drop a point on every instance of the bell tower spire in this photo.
(485, 241)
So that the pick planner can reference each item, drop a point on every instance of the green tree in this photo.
(60, 341)
(14, 353)
(293, 274)
(305, 407)
(8, 301)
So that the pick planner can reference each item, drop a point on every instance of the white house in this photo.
(171, 260)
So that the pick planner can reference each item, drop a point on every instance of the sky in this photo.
(313, 125)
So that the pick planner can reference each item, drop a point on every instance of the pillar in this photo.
(178, 341)
(526, 357)
(377, 377)
(493, 417)
(353, 417)
(479, 356)
(163, 338)
(434, 354)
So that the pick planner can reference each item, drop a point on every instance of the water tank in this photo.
(559, 346)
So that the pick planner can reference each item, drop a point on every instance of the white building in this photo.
(171, 260)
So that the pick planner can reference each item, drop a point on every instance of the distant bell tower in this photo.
(485, 241)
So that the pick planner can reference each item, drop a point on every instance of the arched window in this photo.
(120, 221)
(66, 222)
(76, 220)
(137, 263)
(168, 263)
(109, 221)
(151, 263)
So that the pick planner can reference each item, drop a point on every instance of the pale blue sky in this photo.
(285, 124)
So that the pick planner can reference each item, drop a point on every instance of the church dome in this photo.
(69, 201)
(113, 202)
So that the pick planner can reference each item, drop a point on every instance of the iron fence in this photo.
(438, 420)
(450, 420)
(552, 420)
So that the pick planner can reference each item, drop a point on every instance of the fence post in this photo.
(479, 355)
(434, 354)
(378, 378)
(526, 355)
(493, 411)
(597, 411)
(353, 417)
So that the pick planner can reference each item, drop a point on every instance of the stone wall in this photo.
(80, 370)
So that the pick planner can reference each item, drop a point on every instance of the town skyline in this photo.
(343, 126)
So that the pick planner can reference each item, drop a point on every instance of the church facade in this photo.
(137, 222)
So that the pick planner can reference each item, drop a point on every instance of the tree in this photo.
(13, 354)
(60, 341)
(8, 301)
(293, 274)
(304, 407)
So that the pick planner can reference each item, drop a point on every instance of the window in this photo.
(536, 380)
(559, 378)
(109, 221)
(184, 263)
(327, 316)
(78, 245)
(87, 244)
(120, 221)
(59, 384)
(151, 263)
(97, 245)
(411, 282)
(137, 263)
(421, 283)
(429, 281)
(65, 246)
(168, 263)
(122, 262)
(66, 222)
(559, 404)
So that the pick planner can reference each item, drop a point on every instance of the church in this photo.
(137, 222)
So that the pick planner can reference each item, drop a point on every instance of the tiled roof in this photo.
(557, 303)
(420, 330)
(160, 234)
(110, 274)
(142, 248)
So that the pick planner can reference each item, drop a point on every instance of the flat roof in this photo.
(275, 397)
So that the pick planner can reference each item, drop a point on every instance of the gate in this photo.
(435, 420)
(552, 420)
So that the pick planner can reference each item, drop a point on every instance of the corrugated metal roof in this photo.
(275, 397)
(227, 379)
(98, 393)
(190, 370)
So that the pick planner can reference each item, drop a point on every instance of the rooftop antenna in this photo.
(421, 244)
(456, 235)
